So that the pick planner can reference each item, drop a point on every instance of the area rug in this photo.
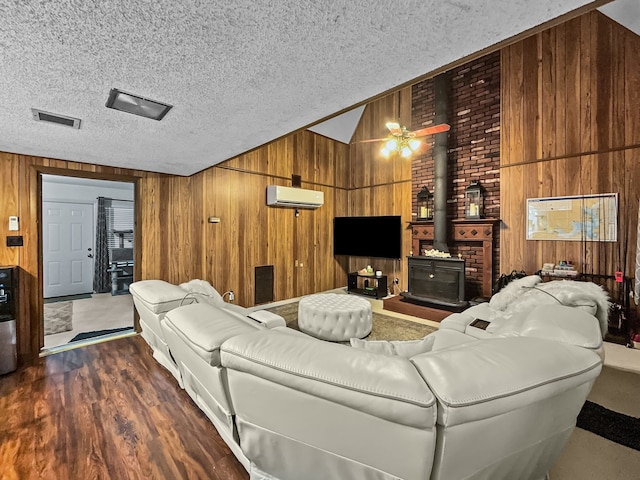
(385, 327)
(599, 448)
(57, 317)
(614, 426)
(612, 410)
(98, 333)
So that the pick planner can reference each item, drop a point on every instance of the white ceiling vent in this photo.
(42, 116)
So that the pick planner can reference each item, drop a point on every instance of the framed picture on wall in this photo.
(579, 218)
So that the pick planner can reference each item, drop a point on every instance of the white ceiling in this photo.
(341, 127)
(625, 12)
(239, 74)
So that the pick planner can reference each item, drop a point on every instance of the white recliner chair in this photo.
(154, 298)
(194, 334)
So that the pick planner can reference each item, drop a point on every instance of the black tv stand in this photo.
(368, 285)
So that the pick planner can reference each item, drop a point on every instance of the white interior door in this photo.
(67, 248)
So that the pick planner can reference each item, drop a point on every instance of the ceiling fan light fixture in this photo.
(414, 144)
(385, 151)
(137, 105)
(406, 152)
(392, 144)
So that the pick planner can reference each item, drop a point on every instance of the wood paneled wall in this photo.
(175, 241)
(379, 185)
(570, 126)
(19, 196)
(251, 234)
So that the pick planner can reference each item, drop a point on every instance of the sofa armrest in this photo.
(488, 377)
(267, 318)
(456, 321)
(569, 325)
(205, 327)
(387, 387)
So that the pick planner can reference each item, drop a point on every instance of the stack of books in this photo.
(561, 270)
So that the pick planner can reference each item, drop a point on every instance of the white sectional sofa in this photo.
(450, 406)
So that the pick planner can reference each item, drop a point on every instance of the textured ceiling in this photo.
(239, 74)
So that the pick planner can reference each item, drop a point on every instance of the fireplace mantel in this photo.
(463, 230)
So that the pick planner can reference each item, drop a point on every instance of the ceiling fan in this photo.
(405, 141)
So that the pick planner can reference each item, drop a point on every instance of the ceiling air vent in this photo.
(42, 116)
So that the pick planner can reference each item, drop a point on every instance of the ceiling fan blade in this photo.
(394, 128)
(443, 127)
(372, 140)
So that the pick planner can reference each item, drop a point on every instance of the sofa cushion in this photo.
(401, 348)
(563, 324)
(159, 296)
(203, 292)
(235, 308)
(387, 387)
(204, 328)
(444, 338)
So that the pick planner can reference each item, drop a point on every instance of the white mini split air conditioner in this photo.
(278, 196)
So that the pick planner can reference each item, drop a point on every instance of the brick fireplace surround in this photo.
(473, 154)
(479, 260)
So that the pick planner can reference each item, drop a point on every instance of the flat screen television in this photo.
(379, 236)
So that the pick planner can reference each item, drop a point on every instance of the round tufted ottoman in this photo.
(334, 316)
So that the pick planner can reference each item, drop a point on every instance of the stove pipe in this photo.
(440, 147)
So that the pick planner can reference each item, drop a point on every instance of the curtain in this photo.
(101, 277)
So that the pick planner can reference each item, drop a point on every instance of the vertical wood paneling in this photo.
(379, 185)
(632, 88)
(588, 86)
(251, 234)
(589, 83)
(19, 195)
(548, 81)
(177, 242)
(8, 204)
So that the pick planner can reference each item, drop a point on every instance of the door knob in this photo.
(90, 256)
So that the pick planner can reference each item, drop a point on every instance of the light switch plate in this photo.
(14, 225)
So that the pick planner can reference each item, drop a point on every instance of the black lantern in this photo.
(425, 204)
(473, 200)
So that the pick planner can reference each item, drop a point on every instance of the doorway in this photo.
(87, 260)
(67, 246)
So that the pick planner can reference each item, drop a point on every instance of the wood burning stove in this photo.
(436, 281)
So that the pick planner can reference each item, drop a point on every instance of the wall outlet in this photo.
(396, 281)
(231, 295)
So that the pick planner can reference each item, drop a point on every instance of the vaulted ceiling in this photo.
(238, 74)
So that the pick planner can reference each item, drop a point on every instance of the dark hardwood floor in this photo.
(106, 411)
